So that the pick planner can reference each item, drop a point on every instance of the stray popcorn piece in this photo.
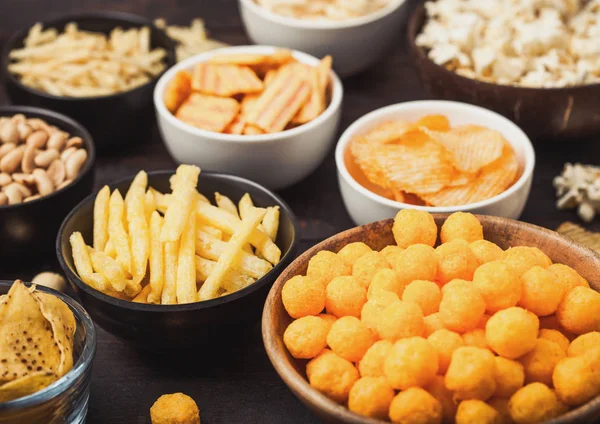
(175, 408)
(190, 40)
(578, 186)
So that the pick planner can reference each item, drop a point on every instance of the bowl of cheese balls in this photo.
(440, 318)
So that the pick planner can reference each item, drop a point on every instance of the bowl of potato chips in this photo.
(437, 156)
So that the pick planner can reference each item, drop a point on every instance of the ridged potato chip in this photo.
(208, 112)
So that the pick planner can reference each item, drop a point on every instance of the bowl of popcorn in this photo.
(440, 318)
(537, 63)
(357, 33)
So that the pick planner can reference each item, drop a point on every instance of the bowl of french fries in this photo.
(245, 110)
(96, 68)
(165, 255)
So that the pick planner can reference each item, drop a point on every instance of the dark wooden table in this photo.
(242, 387)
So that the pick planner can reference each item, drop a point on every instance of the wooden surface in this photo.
(242, 387)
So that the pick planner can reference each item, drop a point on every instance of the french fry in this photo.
(215, 232)
(271, 222)
(245, 205)
(81, 257)
(232, 281)
(109, 249)
(142, 296)
(186, 268)
(139, 234)
(181, 204)
(162, 200)
(226, 204)
(99, 282)
(139, 183)
(101, 218)
(157, 272)
(169, 293)
(116, 231)
(149, 205)
(109, 268)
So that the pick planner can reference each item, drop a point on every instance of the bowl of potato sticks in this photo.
(249, 110)
(48, 344)
(356, 33)
(157, 263)
(98, 68)
(436, 156)
(537, 63)
(440, 318)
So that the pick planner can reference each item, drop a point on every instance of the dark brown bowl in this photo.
(549, 114)
(502, 231)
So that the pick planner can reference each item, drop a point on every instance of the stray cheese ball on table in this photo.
(175, 408)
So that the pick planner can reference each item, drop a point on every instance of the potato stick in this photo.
(157, 272)
(232, 281)
(186, 269)
(140, 182)
(181, 203)
(81, 257)
(162, 200)
(245, 205)
(99, 282)
(139, 233)
(149, 205)
(226, 204)
(109, 249)
(116, 230)
(142, 297)
(215, 232)
(109, 268)
(101, 218)
(211, 286)
(271, 222)
(169, 293)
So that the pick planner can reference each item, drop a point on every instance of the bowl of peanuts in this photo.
(46, 168)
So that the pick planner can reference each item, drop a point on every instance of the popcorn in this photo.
(579, 187)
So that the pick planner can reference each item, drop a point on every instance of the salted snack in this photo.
(77, 63)
(36, 341)
(175, 248)
(323, 10)
(36, 159)
(249, 94)
(191, 40)
(428, 162)
(515, 338)
(578, 187)
(175, 408)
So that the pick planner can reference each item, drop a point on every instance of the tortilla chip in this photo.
(27, 385)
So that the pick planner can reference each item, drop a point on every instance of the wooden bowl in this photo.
(502, 231)
(555, 114)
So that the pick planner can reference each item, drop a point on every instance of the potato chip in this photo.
(178, 89)
(318, 78)
(237, 80)
(250, 129)
(205, 79)
(208, 112)
(433, 123)
(236, 126)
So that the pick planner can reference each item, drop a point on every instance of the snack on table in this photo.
(79, 63)
(36, 341)
(580, 235)
(175, 408)
(399, 353)
(176, 248)
(429, 163)
(249, 94)
(36, 159)
(578, 186)
(333, 10)
(543, 44)
(190, 40)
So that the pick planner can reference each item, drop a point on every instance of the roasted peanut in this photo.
(28, 161)
(23, 178)
(5, 179)
(75, 162)
(75, 142)
(9, 133)
(37, 139)
(56, 171)
(43, 182)
(5, 148)
(44, 159)
(11, 161)
(22, 188)
(13, 194)
(38, 124)
(67, 152)
(24, 131)
(30, 198)
(50, 279)
(56, 141)
(18, 118)
(3, 199)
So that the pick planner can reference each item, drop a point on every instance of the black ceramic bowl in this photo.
(115, 120)
(173, 326)
(29, 229)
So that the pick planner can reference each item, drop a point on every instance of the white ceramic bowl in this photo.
(274, 160)
(355, 44)
(365, 206)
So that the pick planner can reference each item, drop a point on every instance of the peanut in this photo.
(43, 182)
(67, 152)
(3, 199)
(5, 148)
(28, 161)
(75, 142)
(11, 161)
(24, 190)
(9, 133)
(50, 279)
(37, 139)
(18, 118)
(13, 194)
(22, 178)
(30, 198)
(5, 179)
(75, 162)
(44, 159)
(56, 141)
(24, 131)
(56, 171)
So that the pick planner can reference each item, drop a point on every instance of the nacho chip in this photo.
(27, 385)
(178, 89)
(208, 112)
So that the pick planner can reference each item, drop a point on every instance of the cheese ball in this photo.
(534, 403)
(414, 227)
(578, 311)
(577, 379)
(475, 338)
(365, 267)
(175, 408)
(303, 296)
(471, 374)
(498, 284)
(391, 253)
(385, 280)
(512, 332)
(331, 375)
(416, 262)
(306, 337)
(425, 294)
(457, 282)
(371, 311)
(461, 309)
(437, 388)
(541, 293)
(326, 265)
(483, 321)
(345, 296)
(349, 338)
(584, 343)
(431, 323)
(539, 362)
(400, 320)
(509, 376)
(352, 251)
(371, 397)
(501, 405)
(461, 225)
(445, 342)
(486, 251)
(455, 260)
(329, 320)
(476, 411)
(371, 364)
(567, 277)
(415, 406)
(411, 362)
(522, 258)
(554, 336)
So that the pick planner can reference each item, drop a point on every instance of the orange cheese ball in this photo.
(541, 293)
(476, 411)
(365, 267)
(471, 374)
(522, 258)
(501, 405)
(576, 379)
(371, 397)
(303, 296)
(455, 260)
(414, 227)
(391, 253)
(550, 322)
(457, 282)
(431, 324)
(345, 296)
(584, 343)
(498, 284)
(445, 342)
(461, 309)
(567, 277)
(385, 280)
(486, 251)
(461, 225)
(512, 332)
(534, 403)
(425, 294)
(415, 406)
(579, 311)
(483, 321)
(352, 251)
(416, 262)
(306, 337)
(539, 362)
(371, 311)
(412, 362)
(554, 336)
(326, 265)
(509, 376)
(475, 338)
(437, 388)
(331, 375)
(329, 320)
(349, 338)
(371, 364)
(399, 320)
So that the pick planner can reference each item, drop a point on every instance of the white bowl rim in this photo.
(337, 91)
(429, 107)
(388, 9)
